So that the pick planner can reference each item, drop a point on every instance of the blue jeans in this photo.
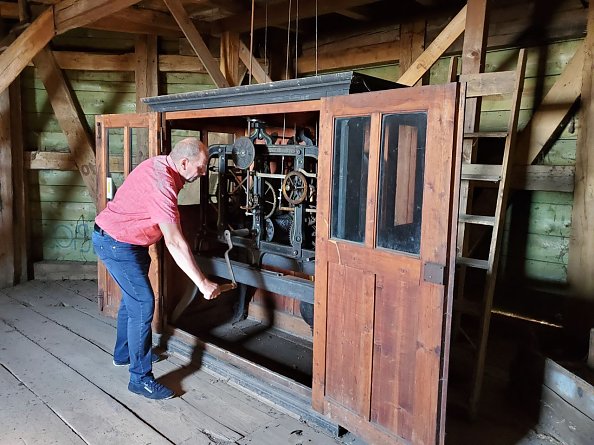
(128, 265)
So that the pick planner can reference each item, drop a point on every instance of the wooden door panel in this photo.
(378, 260)
(350, 336)
(394, 352)
(379, 367)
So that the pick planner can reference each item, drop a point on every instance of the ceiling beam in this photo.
(70, 14)
(353, 15)
(278, 14)
(139, 21)
(21, 51)
(196, 41)
(9, 10)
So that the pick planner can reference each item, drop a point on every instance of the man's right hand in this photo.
(209, 290)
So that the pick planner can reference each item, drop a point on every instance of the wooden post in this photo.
(230, 57)
(581, 245)
(20, 186)
(412, 43)
(6, 197)
(146, 72)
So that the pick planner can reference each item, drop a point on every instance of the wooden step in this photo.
(477, 219)
(486, 134)
(472, 262)
(481, 172)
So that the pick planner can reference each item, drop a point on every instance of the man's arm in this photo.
(180, 251)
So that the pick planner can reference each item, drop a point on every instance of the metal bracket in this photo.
(434, 273)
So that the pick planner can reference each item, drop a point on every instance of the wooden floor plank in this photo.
(289, 431)
(222, 403)
(60, 323)
(25, 419)
(94, 363)
(95, 416)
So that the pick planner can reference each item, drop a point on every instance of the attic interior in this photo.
(401, 196)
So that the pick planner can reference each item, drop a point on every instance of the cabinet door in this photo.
(382, 251)
(123, 142)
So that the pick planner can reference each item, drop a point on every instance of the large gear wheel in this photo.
(295, 187)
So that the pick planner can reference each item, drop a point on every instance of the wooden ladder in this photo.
(476, 175)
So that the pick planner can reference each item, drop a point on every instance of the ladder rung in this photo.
(473, 262)
(477, 219)
(481, 172)
(468, 307)
(486, 134)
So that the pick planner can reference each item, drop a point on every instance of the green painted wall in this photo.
(61, 211)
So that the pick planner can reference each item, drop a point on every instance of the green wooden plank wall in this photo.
(62, 212)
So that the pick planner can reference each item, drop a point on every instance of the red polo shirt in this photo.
(147, 197)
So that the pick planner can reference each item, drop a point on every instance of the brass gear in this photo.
(295, 187)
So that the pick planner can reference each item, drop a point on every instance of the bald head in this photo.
(190, 156)
(189, 148)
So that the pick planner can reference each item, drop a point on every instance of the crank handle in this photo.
(227, 287)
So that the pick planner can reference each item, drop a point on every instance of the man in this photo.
(144, 210)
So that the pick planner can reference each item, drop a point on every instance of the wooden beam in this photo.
(412, 43)
(146, 73)
(20, 186)
(380, 53)
(183, 64)
(24, 11)
(21, 51)
(581, 243)
(252, 64)
(229, 61)
(435, 50)
(549, 178)
(139, 21)
(353, 15)
(193, 36)
(70, 14)
(6, 195)
(69, 116)
(74, 60)
(49, 160)
(551, 115)
(9, 10)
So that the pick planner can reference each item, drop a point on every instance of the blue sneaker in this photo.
(151, 389)
(154, 358)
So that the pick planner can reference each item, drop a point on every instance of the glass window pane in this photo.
(402, 165)
(139, 145)
(115, 160)
(349, 178)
